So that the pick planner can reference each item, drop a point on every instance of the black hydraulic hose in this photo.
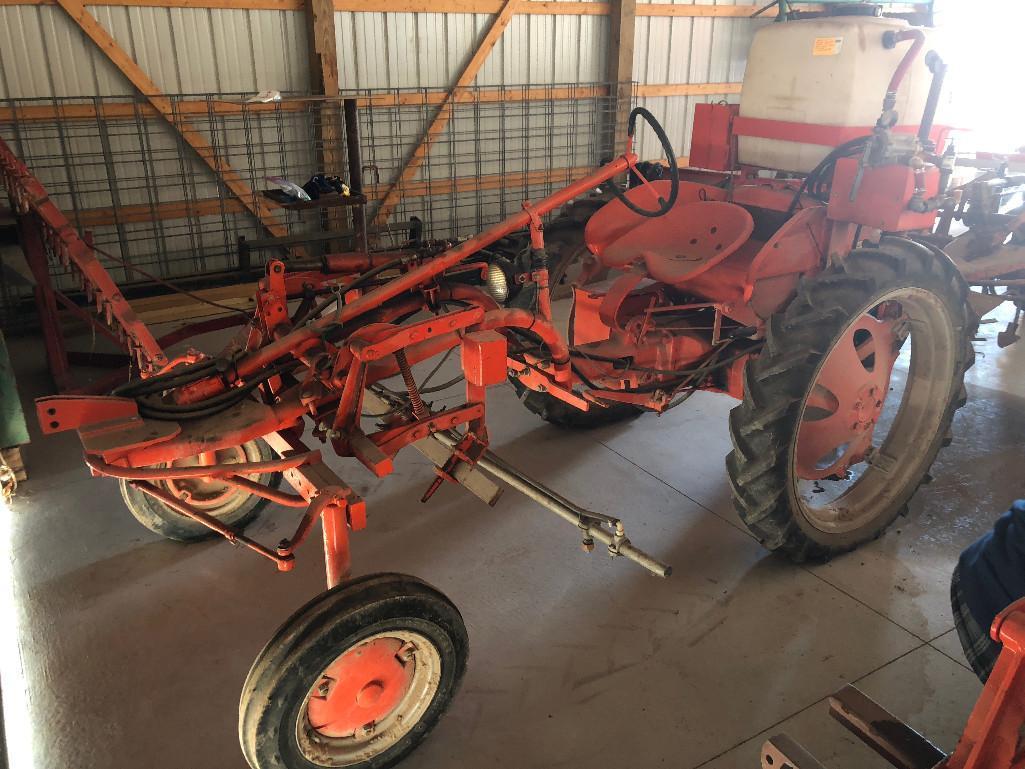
(213, 405)
(813, 178)
(939, 71)
(166, 381)
(359, 281)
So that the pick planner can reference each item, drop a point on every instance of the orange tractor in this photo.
(802, 270)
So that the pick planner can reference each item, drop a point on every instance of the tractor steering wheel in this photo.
(674, 172)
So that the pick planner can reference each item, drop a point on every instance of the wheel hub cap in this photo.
(362, 687)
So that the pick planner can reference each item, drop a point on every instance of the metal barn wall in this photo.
(195, 50)
(183, 50)
(673, 50)
(205, 50)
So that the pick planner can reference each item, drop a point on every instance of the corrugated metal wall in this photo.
(183, 50)
(671, 50)
(43, 54)
(197, 50)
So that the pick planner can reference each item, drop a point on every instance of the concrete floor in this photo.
(134, 649)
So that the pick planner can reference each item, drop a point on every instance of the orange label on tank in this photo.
(826, 46)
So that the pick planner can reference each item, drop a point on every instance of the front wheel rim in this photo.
(368, 698)
(860, 446)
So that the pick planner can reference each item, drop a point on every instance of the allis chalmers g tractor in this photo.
(803, 274)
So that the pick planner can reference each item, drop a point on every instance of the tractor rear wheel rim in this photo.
(864, 429)
(368, 698)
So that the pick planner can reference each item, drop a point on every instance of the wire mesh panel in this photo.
(171, 193)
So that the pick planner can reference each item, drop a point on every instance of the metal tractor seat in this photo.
(691, 239)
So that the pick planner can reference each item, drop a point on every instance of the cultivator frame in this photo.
(121, 443)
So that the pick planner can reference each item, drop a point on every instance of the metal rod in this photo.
(284, 562)
(169, 473)
(616, 542)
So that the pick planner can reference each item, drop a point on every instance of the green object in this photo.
(13, 431)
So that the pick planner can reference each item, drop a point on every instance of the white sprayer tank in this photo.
(830, 71)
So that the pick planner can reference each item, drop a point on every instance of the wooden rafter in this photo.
(164, 106)
(437, 125)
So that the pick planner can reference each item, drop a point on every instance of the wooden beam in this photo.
(688, 89)
(187, 107)
(162, 104)
(727, 11)
(320, 27)
(490, 7)
(621, 65)
(181, 209)
(437, 125)
(90, 218)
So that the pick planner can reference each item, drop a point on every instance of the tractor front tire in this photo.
(830, 338)
(356, 678)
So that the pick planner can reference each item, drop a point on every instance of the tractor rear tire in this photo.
(564, 242)
(560, 413)
(765, 469)
(237, 507)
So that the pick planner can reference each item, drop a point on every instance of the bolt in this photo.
(406, 652)
(587, 545)
(542, 389)
(324, 688)
(513, 373)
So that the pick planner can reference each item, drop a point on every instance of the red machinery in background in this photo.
(823, 297)
(992, 737)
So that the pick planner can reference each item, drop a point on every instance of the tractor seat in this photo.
(690, 239)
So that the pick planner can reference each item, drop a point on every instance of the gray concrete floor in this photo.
(134, 649)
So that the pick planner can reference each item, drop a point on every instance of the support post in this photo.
(31, 239)
(320, 28)
(623, 18)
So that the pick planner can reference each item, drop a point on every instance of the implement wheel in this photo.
(228, 504)
(356, 678)
(850, 400)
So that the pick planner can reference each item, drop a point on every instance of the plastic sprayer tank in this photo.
(832, 72)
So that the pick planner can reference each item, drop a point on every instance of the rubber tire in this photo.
(563, 239)
(170, 524)
(764, 426)
(312, 637)
(560, 413)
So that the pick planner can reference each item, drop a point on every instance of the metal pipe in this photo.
(938, 67)
(890, 40)
(206, 471)
(280, 497)
(284, 562)
(355, 158)
(616, 542)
